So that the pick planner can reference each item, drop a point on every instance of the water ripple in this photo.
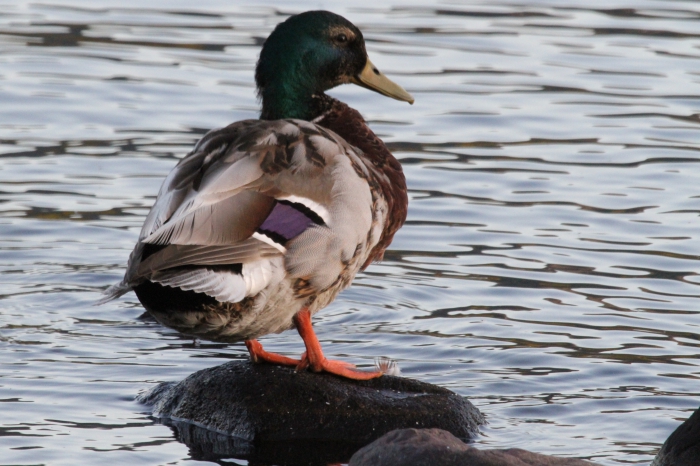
(548, 268)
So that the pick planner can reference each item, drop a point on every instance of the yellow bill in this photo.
(373, 79)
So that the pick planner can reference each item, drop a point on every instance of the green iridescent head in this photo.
(308, 54)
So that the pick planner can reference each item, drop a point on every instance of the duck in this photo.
(266, 220)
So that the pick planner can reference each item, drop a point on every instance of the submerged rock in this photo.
(207, 445)
(682, 447)
(435, 447)
(244, 405)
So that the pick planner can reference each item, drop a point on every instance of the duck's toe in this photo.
(347, 370)
(259, 355)
(317, 366)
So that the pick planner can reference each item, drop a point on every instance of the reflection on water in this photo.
(548, 269)
(206, 445)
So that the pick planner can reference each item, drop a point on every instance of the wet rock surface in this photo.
(682, 448)
(237, 407)
(435, 447)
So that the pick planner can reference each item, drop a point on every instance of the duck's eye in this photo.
(341, 38)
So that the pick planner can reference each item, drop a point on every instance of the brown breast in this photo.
(348, 123)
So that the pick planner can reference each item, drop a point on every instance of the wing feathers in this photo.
(275, 197)
(287, 220)
(177, 255)
(224, 286)
(228, 221)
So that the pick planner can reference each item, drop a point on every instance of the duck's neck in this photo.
(281, 101)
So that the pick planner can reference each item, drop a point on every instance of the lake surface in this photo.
(548, 270)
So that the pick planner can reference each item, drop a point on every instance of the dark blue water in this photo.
(548, 269)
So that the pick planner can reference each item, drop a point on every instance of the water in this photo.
(548, 269)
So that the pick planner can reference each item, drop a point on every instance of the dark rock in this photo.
(244, 406)
(435, 447)
(207, 445)
(682, 447)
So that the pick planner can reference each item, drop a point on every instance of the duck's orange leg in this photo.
(258, 354)
(314, 357)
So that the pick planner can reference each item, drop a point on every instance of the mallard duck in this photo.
(266, 221)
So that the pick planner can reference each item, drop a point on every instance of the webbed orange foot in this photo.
(313, 357)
